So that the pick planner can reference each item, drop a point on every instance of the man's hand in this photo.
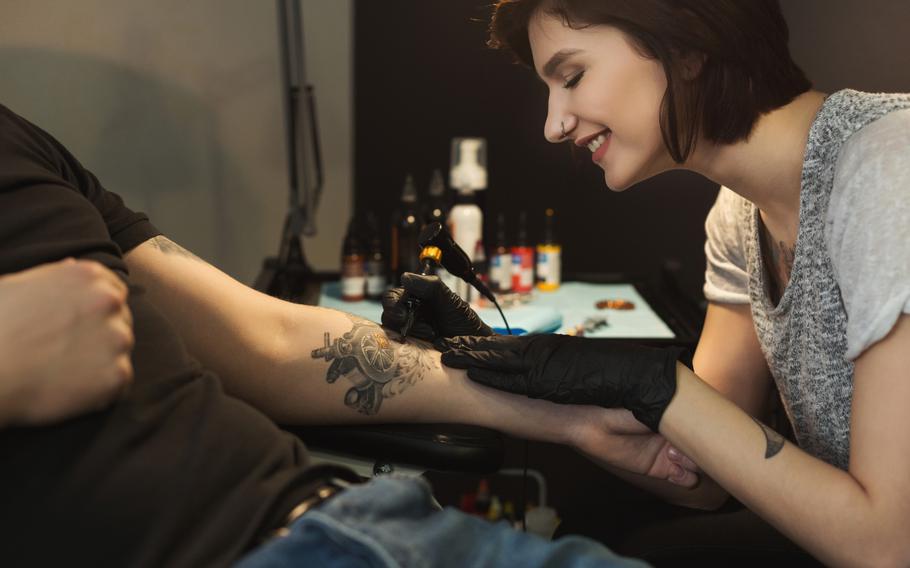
(65, 341)
(571, 370)
(615, 438)
(442, 313)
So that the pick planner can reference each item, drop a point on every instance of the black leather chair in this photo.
(413, 448)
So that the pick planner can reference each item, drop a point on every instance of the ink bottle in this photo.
(467, 176)
(405, 230)
(522, 259)
(375, 261)
(437, 208)
(500, 260)
(353, 274)
(549, 257)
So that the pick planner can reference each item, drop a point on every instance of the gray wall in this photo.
(176, 106)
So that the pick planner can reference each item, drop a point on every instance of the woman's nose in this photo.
(559, 126)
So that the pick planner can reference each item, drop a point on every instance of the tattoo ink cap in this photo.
(467, 175)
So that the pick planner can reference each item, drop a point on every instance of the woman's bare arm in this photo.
(845, 518)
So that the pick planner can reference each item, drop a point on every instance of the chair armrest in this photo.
(436, 447)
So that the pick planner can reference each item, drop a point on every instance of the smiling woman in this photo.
(807, 276)
(741, 48)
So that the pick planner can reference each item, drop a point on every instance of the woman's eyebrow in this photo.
(558, 58)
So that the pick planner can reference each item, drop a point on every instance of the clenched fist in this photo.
(66, 335)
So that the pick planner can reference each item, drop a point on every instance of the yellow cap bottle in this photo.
(549, 258)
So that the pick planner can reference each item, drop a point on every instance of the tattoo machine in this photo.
(430, 257)
(453, 259)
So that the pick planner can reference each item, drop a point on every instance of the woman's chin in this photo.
(616, 184)
(619, 180)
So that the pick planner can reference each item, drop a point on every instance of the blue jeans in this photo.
(391, 522)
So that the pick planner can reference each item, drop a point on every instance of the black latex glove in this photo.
(442, 313)
(571, 370)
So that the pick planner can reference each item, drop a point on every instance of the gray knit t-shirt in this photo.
(850, 280)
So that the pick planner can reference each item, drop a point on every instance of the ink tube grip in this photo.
(430, 257)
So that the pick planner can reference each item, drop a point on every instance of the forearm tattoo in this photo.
(775, 442)
(167, 246)
(375, 361)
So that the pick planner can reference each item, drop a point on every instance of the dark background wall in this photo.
(423, 76)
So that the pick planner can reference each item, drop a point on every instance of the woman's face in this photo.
(602, 91)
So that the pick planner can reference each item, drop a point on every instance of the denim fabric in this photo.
(392, 522)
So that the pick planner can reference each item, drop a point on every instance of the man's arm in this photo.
(854, 517)
(304, 364)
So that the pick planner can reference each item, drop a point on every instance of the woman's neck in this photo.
(767, 168)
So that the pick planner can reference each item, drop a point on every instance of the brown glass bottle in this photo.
(353, 269)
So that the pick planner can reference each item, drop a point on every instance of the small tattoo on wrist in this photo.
(775, 442)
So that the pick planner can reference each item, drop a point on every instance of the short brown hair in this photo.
(747, 69)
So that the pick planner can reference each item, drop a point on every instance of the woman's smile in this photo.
(599, 146)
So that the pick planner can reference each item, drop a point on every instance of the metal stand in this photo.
(288, 276)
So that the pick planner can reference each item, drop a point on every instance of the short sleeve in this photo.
(51, 207)
(868, 229)
(726, 278)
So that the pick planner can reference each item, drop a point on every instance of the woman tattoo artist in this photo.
(808, 276)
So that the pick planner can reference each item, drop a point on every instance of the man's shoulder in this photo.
(21, 140)
(10, 123)
(9, 128)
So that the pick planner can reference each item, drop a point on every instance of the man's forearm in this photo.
(304, 364)
(365, 373)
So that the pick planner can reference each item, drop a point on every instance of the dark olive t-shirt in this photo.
(177, 473)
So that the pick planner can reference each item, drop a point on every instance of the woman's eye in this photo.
(573, 80)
